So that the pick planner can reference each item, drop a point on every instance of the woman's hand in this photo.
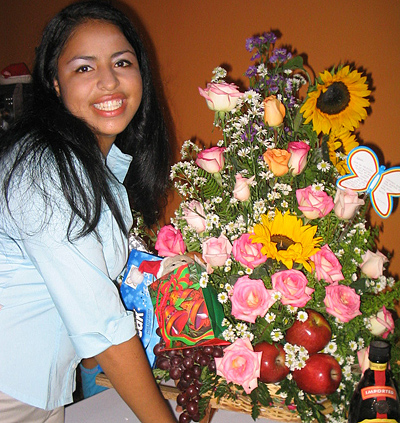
(128, 370)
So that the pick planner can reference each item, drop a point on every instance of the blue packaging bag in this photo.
(136, 297)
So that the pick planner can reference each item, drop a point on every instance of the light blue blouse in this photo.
(58, 302)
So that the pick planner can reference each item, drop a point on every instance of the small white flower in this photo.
(331, 347)
(276, 335)
(360, 343)
(302, 316)
(353, 345)
(223, 297)
(318, 186)
(291, 309)
(270, 317)
(323, 166)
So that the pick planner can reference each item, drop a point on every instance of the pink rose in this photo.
(248, 253)
(372, 264)
(298, 158)
(211, 160)
(241, 190)
(346, 203)
(313, 203)
(363, 359)
(221, 97)
(292, 284)
(250, 299)
(342, 302)
(193, 213)
(240, 364)
(274, 111)
(169, 242)
(216, 250)
(382, 324)
(327, 265)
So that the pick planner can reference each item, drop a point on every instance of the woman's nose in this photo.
(108, 80)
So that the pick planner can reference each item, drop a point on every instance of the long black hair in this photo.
(49, 127)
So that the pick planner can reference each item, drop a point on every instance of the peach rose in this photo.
(211, 160)
(314, 204)
(169, 242)
(346, 203)
(327, 266)
(240, 364)
(216, 250)
(248, 253)
(250, 299)
(274, 111)
(292, 284)
(221, 97)
(372, 264)
(382, 324)
(342, 302)
(193, 213)
(241, 191)
(277, 161)
(298, 158)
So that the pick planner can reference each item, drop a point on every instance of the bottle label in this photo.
(379, 421)
(377, 366)
(378, 391)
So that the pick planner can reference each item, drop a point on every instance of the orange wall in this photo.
(189, 38)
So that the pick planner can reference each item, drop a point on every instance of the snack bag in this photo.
(187, 314)
(135, 295)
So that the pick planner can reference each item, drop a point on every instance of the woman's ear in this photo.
(57, 87)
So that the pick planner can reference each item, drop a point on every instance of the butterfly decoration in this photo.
(366, 175)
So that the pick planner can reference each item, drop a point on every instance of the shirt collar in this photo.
(118, 162)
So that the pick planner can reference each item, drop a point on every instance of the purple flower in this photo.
(251, 71)
(280, 55)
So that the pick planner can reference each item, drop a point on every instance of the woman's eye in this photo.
(123, 63)
(84, 68)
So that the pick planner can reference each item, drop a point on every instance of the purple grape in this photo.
(158, 349)
(163, 363)
(182, 385)
(212, 366)
(196, 371)
(184, 418)
(192, 408)
(209, 349)
(204, 360)
(187, 352)
(218, 351)
(188, 362)
(176, 360)
(196, 417)
(187, 375)
(181, 399)
(175, 373)
(191, 391)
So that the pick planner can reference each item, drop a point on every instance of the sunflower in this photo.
(286, 239)
(337, 102)
(339, 145)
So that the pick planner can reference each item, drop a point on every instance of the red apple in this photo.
(273, 367)
(321, 375)
(313, 334)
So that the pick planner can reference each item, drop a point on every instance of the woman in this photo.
(65, 216)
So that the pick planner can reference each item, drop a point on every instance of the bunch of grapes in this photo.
(185, 367)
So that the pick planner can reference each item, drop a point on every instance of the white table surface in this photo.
(108, 407)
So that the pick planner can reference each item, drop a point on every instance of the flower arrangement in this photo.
(283, 246)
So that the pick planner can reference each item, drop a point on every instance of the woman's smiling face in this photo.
(99, 79)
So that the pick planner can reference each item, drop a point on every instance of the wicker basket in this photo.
(278, 411)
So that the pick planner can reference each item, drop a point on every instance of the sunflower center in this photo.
(282, 242)
(335, 99)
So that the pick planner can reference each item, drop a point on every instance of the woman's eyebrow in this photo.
(92, 58)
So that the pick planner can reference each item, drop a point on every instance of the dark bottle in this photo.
(376, 398)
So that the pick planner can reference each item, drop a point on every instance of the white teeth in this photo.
(108, 105)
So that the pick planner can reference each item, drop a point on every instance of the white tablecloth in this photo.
(108, 407)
